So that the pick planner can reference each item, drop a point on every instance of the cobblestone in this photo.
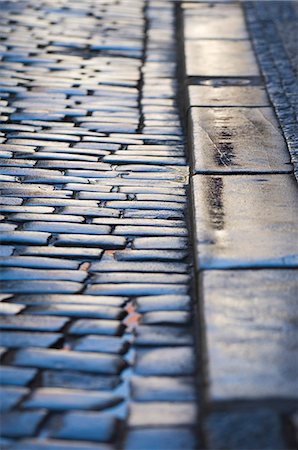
(15, 424)
(89, 426)
(59, 360)
(55, 399)
(93, 164)
(15, 376)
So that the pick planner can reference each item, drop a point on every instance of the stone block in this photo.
(233, 140)
(246, 221)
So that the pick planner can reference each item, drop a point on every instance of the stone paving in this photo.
(148, 293)
(97, 338)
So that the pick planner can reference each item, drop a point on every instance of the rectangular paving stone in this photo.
(94, 326)
(105, 344)
(214, 93)
(251, 333)
(80, 299)
(10, 396)
(89, 426)
(265, 423)
(25, 237)
(144, 277)
(158, 243)
(66, 252)
(163, 303)
(21, 424)
(221, 21)
(19, 339)
(22, 217)
(61, 399)
(133, 289)
(163, 388)
(150, 414)
(239, 217)
(58, 444)
(73, 379)
(16, 273)
(101, 241)
(15, 376)
(233, 140)
(160, 335)
(38, 262)
(65, 227)
(220, 58)
(78, 311)
(150, 255)
(135, 266)
(61, 360)
(166, 361)
(168, 438)
(40, 287)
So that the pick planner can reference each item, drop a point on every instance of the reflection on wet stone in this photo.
(216, 205)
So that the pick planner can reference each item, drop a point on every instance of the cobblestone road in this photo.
(95, 307)
(120, 254)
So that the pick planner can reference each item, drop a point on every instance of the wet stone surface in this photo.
(251, 331)
(235, 140)
(228, 236)
(93, 195)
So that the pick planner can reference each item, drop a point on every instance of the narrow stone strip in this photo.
(245, 226)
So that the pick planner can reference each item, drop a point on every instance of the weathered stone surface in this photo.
(40, 287)
(63, 360)
(219, 94)
(165, 361)
(155, 335)
(163, 389)
(10, 396)
(161, 438)
(233, 140)
(89, 426)
(221, 21)
(155, 414)
(93, 326)
(15, 376)
(251, 333)
(23, 339)
(16, 424)
(163, 303)
(220, 58)
(61, 399)
(243, 430)
(229, 236)
(32, 323)
(105, 344)
(59, 444)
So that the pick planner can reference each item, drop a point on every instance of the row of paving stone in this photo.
(245, 214)
(97, 343)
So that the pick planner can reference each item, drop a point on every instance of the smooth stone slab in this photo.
(246, 221)
(232, 140)
(252, 430)
(221, 21)
(163, 388)
(252, 333)
(220, 58)
(154, 414)
(211, 93)
(161, 439)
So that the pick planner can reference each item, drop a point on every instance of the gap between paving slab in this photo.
(246, 272)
